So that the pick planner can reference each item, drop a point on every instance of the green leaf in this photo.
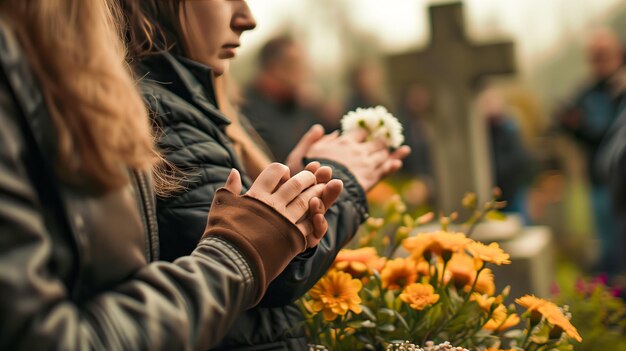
(368, 324)
(368, 313)
(390, 298)
(386, 312)
(355, 324)
(402, 321)
(514, 334)
(389, 328)
(540, 338)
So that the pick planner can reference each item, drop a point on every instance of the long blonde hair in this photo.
(76, 52)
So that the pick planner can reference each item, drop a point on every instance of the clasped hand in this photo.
(303, 199)
(368, 161)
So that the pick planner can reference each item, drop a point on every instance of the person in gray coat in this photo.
(78, 236)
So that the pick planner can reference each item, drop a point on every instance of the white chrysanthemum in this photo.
(378, 122)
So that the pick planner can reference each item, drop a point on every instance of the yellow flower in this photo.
(360, 262)
(485, 283)
(492, 253)
(555, 316)
(530, 302)
(551, 312)
(484, 301)
(501, 321)
(436, 242)
(462, 268)
(380, 193)
(494, 349)
(399, 273)
(336, 294)
(423, 268)
(418, 244)
(450, 242)
(419, 296)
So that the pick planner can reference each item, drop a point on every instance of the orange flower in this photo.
(462, 268)
(398, 273)
(551, 312)
(450, 242)
(417, 245)
(485, 283)
(380, 193)
(555, 316)
(436, 242)
(484, 301)
(492, 253)
(500, 321)
(530, 302)
(419, 296)
(360, 262)
(335, 295)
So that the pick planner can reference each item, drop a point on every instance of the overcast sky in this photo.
(536, 25)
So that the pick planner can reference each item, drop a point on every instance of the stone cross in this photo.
(450, 68)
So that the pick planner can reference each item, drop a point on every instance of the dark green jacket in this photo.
(179, 93)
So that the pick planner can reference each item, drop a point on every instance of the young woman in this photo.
(191, 43)
(77, 226)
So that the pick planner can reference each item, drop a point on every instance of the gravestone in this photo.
(532, 255)
(450, 68)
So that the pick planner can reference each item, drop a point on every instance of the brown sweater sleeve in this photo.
(267, 239)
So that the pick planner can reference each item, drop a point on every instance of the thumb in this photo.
(233, 183)
(313, 135)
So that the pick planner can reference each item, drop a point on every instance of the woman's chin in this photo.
(219, 68)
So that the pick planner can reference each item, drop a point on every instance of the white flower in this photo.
(378, 122)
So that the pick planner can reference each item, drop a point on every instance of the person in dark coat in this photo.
(588, 120)
(178, 87)
(77, 222)
(276, 103)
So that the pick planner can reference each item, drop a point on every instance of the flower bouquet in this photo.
(399, 288)
(441, 290)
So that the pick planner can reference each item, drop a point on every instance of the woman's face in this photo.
(212, 29)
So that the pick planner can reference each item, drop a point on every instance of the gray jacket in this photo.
(74, 261)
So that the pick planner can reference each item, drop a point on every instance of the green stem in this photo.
(465, 300)
(527, 338)
(443, 274)
(473, 284)
(464, 338)
(479, 219)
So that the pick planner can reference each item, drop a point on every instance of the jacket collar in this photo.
(186, 78)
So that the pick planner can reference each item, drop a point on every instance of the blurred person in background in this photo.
(278, 103)
(184, 86)
(511, 162)
(613, 163)
(589, 118)
(77, 222)
(367, 86)
(414, 113)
